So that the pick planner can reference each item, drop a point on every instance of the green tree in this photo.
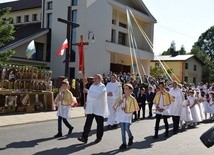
(6, 33)
(206, 43)
(156, 72)
(182, 50)
(204, 50)
(171, 49)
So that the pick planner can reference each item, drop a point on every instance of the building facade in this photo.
(106, 20)
(186, 68)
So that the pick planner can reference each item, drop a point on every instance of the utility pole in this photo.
(70, 26)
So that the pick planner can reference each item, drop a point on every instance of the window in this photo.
(74, 2)
(186, 79)
(157, 64)
(122, 38)
(113, 36)
(186, 65)
(195, 67)
(49, 20)
(18, 19)
(26, 18)
(194, 80)
(122, 25)
(74, 16)
(114, 21)
(34, 17)
(49, 5)
(74, 36)
(39, 52)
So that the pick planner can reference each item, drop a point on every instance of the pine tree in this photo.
(6, 34)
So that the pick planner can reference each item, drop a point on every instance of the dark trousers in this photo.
(176, 120)
(158, 118)
(88, 123)
(60, 119)
(143, 107)
(150, 109)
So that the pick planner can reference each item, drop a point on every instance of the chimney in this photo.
(174, 54)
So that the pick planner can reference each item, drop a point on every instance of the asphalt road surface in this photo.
(37, 139)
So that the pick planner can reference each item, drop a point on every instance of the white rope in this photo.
(130, 48)
(149, 42)
(132, 43)
(142, 31)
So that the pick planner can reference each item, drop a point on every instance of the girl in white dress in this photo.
(194, 108)
(199, 101)
(186, 115)
(206, 105)
(211, 104)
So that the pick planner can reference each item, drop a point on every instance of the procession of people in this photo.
(121, 98)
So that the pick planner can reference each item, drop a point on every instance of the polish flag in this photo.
(63, 47)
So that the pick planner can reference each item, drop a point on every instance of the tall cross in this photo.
(70, 26)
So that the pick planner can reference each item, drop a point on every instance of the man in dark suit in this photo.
(150, 97)
(141, 99)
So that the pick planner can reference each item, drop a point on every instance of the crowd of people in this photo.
(121, 98)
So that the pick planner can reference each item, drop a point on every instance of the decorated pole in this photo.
(81, 45)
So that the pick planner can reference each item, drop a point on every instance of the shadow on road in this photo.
(26, 144)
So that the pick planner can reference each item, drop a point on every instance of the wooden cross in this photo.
(81, 45)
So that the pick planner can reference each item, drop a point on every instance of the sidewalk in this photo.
(17, 119)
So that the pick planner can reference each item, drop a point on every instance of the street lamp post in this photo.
(70, 26)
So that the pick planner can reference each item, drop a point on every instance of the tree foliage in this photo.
(172, 49)
(206, 43)
(156, 72)
(182, 51)
(204, 50)
(6, 33)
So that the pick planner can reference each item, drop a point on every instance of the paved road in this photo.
(36, 139)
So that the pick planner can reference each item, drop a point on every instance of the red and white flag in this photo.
(63, 47)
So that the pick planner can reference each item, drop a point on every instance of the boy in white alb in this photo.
(114, 91)
(124, 107)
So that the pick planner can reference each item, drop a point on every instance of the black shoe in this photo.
(166, 134)
(70, 130)
(155, 137)
(114, 126)
(130, 141)
(97, 140)
(109, 127)
(123, 146)
(58, 135)
(82, 140)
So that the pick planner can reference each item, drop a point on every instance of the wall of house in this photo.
(22, 13)
(191, 73)
(176, 67)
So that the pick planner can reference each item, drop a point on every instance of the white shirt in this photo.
(97, 100)
(176, 106)
(161, 106)
(121, 116)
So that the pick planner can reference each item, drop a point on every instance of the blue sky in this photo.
(180, 20)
